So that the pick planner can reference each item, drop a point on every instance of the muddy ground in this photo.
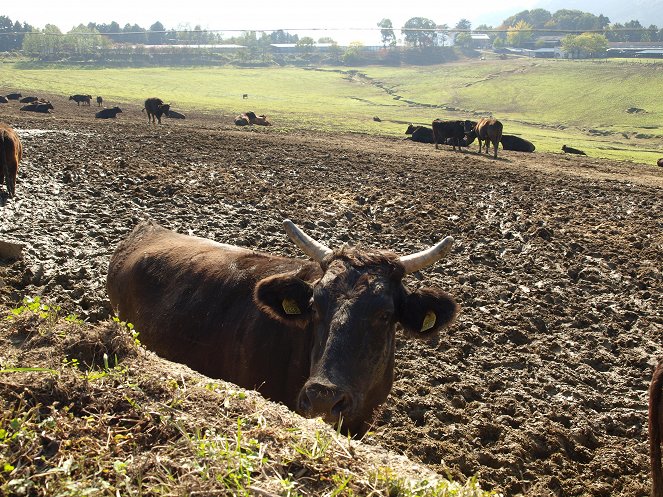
(539, 388)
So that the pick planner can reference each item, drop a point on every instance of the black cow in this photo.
(155, 108)
(3, 100)
(485, 130)
(84, 99)
(14, 96)
(108, 113)
(421, 134)
(99, 101)
(11, 152)
(655, 429)
(569, 150)
(175, 115)
(659, 162)
(517, 144)
(448, 129)
(29, 100)
(317, 335)
(41, 107)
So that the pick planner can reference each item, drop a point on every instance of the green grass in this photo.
(550, 102)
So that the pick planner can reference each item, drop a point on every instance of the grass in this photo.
(550, 102)
(71, 424)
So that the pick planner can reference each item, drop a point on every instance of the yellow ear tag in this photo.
(290, 307)
(429, 321)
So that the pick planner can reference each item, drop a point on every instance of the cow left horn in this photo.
(420, 260)
(314, 249)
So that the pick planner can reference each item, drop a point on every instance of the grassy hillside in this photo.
(551, 102)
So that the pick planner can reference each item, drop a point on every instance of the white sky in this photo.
(260, 14)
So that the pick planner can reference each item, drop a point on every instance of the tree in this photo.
(387, 32)
(585, 44)
(306, 44)
(156, 35)
(463, 25)
(442, 33)
(519, 34)
(419, 32)
(463, 39)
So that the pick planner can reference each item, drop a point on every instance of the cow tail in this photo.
(655, 422)
(3, 159)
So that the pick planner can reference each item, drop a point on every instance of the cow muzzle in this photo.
(328, 402)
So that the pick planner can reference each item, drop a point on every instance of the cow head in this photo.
(352, 311)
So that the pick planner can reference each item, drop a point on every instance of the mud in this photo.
(539, 388)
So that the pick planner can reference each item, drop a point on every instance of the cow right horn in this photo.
(420, 260)
(314, 249)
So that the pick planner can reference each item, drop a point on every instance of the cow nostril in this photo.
(342, 405)
(304, 403)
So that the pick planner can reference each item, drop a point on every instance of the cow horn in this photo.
(420, 260)
(314, 249)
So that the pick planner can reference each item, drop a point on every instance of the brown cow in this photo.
(486, 129)
(11, 153)
(155, 108)
(317, 335)
(655, 429)
(251, 118)
(100, 101)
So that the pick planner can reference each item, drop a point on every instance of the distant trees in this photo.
(585, 44)
(419, 32)
(387, 32)
(12, 33)
(519, 34)
(50, 42)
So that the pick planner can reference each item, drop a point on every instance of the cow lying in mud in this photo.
(11, 153)
(317, 335)
(250, 118)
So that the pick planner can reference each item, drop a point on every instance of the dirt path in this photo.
(540, 386)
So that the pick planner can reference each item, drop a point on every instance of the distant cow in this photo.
(14, 96)
(317, 335)
(99, 101)
(569, 150)
(155, 108)
(28, 100)
(659, 162)
(655, 429)
(84, 99)
(517, 144)
(245, 95)
(3, 100)
(11, 152)
(175, 115)
(108, 113)
(448, 129)
(486, 130)
(421, 134)
(41, 107)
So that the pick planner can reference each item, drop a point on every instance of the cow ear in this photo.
(426, 311)
(285, 298)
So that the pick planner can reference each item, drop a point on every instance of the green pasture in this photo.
(550, 102)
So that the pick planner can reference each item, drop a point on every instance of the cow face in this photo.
(352, 312)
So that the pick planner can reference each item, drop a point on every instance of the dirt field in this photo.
(539, 388)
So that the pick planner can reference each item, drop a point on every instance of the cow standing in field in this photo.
(84, 99)
(155, 108)
(442, 130)
(11, 153)
(656, 429)
(100, 101)
(108, 113)
(317, 335)
(485, 130)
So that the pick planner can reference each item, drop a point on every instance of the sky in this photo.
(261, 14)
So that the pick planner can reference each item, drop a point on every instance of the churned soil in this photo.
(540, 386)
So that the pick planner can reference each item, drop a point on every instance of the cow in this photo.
(421, 134)
(448, 129)
(84, 99)
(251, 118)
(516, 144)
(11, 153)
(28, 100)
(100, 101)
(41, 107)
(245, 96)
(3, 100)
(659, 162)
(155, 108)
(655, 426)
(108, 113)
(261, 120)
(175, 115)
(14, 96)
(485, 130)
(318, 336)
(569, 150)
